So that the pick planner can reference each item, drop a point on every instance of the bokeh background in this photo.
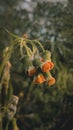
(51, 22)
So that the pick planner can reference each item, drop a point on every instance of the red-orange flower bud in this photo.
(51, 81)
(47, 66)
(32, 71)
(39, 79)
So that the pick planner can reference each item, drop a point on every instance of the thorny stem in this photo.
(22, 42)
(27, 40)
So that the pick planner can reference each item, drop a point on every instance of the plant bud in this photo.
(47, 66)
(51, 81)
(46, 55)
(32, 71)
(39, 79)
(27, 62)
(37, 62)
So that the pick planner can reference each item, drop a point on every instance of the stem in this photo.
(32, 43)
(21, 47)
(49, 74)
(0, 109)
(13, 35)
(1, 125)
(34, 47)
(36, 41)
(0, 117)
(31, 53)
(7, 55)
(27, 50)
(29, 91)
(7, 125)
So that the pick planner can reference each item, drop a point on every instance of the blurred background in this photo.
(51, 22)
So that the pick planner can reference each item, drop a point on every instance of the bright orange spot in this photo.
(32, 72)
(47, 66)
(39, 79)
(51, 81)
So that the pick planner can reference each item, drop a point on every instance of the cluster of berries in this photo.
(39, 66)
